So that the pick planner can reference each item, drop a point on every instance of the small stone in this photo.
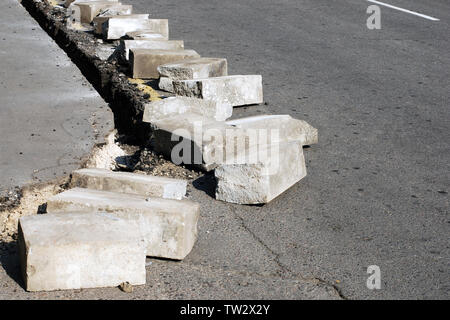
(126, 287)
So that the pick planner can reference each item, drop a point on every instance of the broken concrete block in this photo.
(189, 138)
(133, 183)
(238, 90)
(278, 168)
(161, 44)
(289, 129)
(169, 227)
(89, 10)
(158, 110)
(145, 35)
(206, 142)
(196, 68)
(75, 251)
(165, 84)
(115, 28)
(67, 3)
(101, 19)
(145, 62)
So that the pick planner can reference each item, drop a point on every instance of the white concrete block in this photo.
(102, 19)
(169, 227)
(126, 182)
(289, 129)
(75, 251)
(161, 44)
(89, 10)
(144, 62)
(145, 35)
(238, 90)
(115, 28)
(158, 110)
(165, 84)
(278, 167)
(67, 3)
(196, 68)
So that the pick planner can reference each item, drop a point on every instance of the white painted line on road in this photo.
(404, 10)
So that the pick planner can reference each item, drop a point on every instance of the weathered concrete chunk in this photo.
(189, 139)
(89, 10)
(145, 35)
(115, 28)
(238, 90)
(275, 170)
(75, 251)
(127, 45)
(145, 62)
(289, 129)
(169, 227)
(205, 142)
(165, 84)
(195, 68)
(158, 110)
(133, 183)
(67, 3)
(99, 22)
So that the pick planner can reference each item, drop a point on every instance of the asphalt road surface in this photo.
(377, 186)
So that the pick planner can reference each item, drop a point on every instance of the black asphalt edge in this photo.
(125, 100)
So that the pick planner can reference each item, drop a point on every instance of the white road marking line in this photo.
(404, 10)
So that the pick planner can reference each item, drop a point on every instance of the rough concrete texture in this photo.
(158, 110)
(133, 183)
(165, 84)
(145, 35)
(89, 10)
(102, 19)
(74, 251)
(67, 3)
(115, 28)
(168, 226)
(277, 168)
(181, 138)
(145, 62)
(41, 136)
(195, 68)
(238, 90)
(162, 44)
(289, 129)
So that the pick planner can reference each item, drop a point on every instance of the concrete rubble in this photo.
(74, 251)
(169, 227)
(277, 167)
(98, 233)
(116, 27)
(87, 11)
(145, 35)
(132, 183)
(239, 90)
(208, 141)
(195, 68)
(161, 44)
(158, 110)
(99, 21)
(144, 62)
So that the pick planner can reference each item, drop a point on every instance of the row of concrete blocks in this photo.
(206, 94)
(99, 233)
(151, 55)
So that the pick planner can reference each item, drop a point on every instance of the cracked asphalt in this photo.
(378, 181)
